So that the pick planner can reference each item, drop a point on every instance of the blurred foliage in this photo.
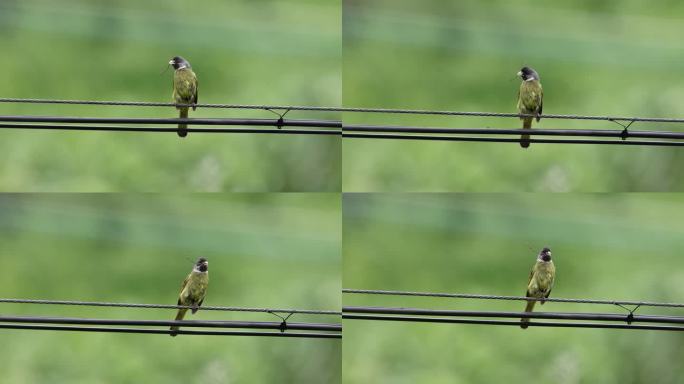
(244, 52)
(269, 250)
(616, 58)
(614, 246)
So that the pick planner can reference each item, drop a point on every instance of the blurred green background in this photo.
(614, 246)
(616, 57)
(244, 52)
(267, 250)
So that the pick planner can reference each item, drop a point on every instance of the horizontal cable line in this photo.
(531, 315)
(515, 115)
(165, 306)
(500, 297)
(159, 104)
(97, 128)
(326, 327)
(175, 121)
(513, 323)
(342, 109)
(495, 131)
(164, 331)
(504, 140)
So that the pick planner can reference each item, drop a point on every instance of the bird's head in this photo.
(528, 74)
(544, 255)
(179, 63)
(202, 265)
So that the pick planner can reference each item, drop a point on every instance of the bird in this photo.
(184, 89)
(530, 100)
(541, 282)
(193, 290)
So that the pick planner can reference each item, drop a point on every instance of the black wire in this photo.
(513, 323)
(165, 306)
(518, 315)
(500, 297)
(619, 133)
(165, 129)
(326, 327)
(341, 109)
(166, 331)
(502, 140)
(175, 121)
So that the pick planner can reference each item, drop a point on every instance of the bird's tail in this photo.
(525, 139)
(183, 128)
(525, 320)
(179, 316)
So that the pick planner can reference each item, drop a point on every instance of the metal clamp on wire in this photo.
(630, 317)
(283, 324)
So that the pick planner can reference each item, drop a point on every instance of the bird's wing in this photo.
(550, 287)
(527, 291)
(194, 99)
(174, 95)
(541, 102)
(185, 282)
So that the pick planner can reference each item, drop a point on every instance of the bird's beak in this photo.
(171, 62)
(519, 73)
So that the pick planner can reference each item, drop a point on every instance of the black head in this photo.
(527, 73)
(545, 254)
(202, 264)
(179, 62)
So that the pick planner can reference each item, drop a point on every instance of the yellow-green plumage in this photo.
(539, 286)
(192, 293)
(530, 102)
(184, 92)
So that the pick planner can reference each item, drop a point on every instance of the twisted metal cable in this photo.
(161, 104)
(165, 306)
(517, 115)
(500, 297)
(343, 109)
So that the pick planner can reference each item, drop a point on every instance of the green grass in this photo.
(243, 53)
(619, 247)
(264, 251)
(618, 59)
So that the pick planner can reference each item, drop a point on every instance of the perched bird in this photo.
(184, 89)
(193, 290)
(530, 100)
(540, 283)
